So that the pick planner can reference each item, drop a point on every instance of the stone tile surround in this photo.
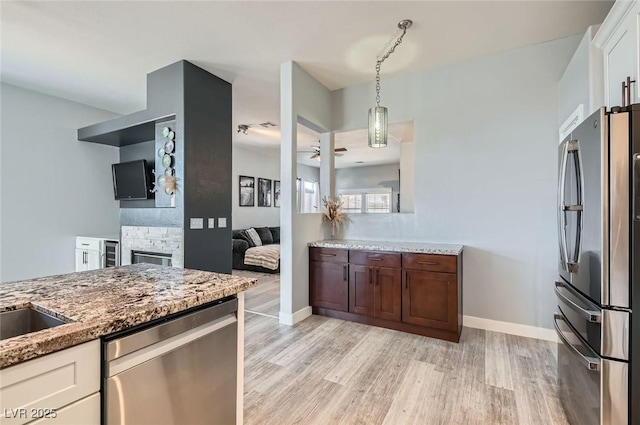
(165, 240)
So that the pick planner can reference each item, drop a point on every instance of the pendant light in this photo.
(379, 115)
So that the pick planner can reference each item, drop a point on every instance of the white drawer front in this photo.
(88, 243)
(49, 382)
(82, 412)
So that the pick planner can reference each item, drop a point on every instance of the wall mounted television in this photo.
(131, 180)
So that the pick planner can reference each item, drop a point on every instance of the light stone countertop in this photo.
(101, 302)
(409, 247)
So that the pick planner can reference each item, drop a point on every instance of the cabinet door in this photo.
(81, 260)
(621, 60)
(430, 299)
(361, 290)
(82, 412)
(94, 261)
(388, 299)
(328, 285)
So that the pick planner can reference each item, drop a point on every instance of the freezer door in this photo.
(582, 208)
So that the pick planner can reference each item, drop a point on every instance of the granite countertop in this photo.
(100, 302)
(422, 248)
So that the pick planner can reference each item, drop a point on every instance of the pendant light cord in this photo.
(386, 55)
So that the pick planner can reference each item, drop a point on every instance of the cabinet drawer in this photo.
(375, 258)
(88, 243)
(333, 255)
(49, 382)
(430, 262)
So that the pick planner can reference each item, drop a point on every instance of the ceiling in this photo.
(99, 52)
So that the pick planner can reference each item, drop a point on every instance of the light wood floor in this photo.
(328, 371)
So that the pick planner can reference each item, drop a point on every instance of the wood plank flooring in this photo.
(328, 371)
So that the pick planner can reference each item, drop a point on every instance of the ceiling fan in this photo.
(316, 152)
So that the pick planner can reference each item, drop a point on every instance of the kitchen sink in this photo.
(24, 321)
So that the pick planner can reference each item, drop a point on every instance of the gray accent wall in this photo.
(201, 104)
(53, 187)
(486, 136)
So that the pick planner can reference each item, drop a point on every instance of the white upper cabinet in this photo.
(618, 39)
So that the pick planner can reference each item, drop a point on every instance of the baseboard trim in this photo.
(510, 328)
(298, 316)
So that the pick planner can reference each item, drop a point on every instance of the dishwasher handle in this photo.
(167, 329)
(123, 363)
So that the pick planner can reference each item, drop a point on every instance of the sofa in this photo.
(242, 242)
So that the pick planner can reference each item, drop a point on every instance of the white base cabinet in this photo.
(65, 384)
(94, 253)
(82, 412)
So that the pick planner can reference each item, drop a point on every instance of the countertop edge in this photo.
(31, 346)
(391, 246)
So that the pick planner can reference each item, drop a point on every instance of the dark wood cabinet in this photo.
(328, 285)
(411, 292)
(430, 299)
(361, 290)
(388, 299)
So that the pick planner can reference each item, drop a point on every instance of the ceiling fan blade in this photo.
(340, 149)
(314, 156)
(338, 154)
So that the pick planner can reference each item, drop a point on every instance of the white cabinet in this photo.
(53, 385)
(618, 39)
(82, 412)
(95, 253)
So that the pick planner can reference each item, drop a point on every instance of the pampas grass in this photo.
(333, 214)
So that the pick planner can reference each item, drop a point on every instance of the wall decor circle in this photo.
(169, 146)
(166, 160)
(169, 171)
(161, 152)
(165, 131)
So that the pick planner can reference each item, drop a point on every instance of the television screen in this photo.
(130, 180)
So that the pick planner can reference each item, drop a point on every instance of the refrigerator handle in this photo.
(636, 188)
(562, 219)
(577, 158)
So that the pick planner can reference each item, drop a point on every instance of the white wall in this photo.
(302, 98)
(255, 162)
(308, 173)
(53, 186)
(582, 82)
(485, 172)
(407, 176)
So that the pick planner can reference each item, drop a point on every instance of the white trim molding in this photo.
(510, 328)
(298, 316)
(616, 15)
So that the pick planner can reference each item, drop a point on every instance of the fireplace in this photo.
(157, 241)
(150, 258)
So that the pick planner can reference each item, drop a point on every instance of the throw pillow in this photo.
(242, 234)
(265, 235)
(275, 232)
(254, 236)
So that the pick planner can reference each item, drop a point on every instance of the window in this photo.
(351, 204)
(308, 196)
(378, 202)
(375, 201)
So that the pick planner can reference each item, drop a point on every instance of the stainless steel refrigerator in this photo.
(599, 270)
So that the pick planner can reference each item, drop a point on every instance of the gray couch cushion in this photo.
(265, 235)
(275, 233)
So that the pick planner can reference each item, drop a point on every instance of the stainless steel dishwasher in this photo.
(179, 371)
